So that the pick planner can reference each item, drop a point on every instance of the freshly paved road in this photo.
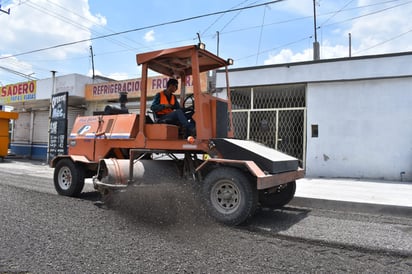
(167, 231)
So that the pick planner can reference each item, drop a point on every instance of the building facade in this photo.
(347, 117)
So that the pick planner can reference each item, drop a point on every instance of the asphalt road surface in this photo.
(165, 230)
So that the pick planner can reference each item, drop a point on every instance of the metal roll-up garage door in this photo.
(71, 117)
(40, 134)
(21, 131)
(21, 141)
(41, 127)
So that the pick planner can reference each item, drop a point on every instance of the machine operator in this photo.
(167, 108)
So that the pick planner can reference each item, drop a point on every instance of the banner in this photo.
(58, 125)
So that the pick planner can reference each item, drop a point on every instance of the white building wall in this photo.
(72, 83)
(328, 70)
(363, 109)
(364, 129)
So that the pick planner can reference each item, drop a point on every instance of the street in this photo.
(165, 230)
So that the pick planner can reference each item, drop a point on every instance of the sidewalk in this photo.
(357, 191)
(319, 192)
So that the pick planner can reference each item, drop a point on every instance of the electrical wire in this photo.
(276, 48)
(384, 42)
(72, 22)
(139, 29)
(222, 13)
(217, 19)
(260, 34)
(105, 28)
(370, 13)
(336, 12)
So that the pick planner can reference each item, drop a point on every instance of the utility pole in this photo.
(217, 35)
(350, 44)
(53, 81)
(316, 48)
(91, 53)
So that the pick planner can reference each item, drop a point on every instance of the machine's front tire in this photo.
(68, 178)
(279, 197)
(229, 196)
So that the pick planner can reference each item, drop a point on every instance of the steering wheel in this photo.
(189, 106)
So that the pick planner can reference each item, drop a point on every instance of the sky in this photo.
(40, 36)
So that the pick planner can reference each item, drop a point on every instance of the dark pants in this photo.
(178, 116)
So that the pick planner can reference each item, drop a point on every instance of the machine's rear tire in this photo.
(229, 196)
(278, 198)
(68, 178)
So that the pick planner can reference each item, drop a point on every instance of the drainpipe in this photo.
(31, 132)
(53, 91)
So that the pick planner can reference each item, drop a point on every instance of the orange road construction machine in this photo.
(116, 150)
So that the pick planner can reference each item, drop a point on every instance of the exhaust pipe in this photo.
(115, 173)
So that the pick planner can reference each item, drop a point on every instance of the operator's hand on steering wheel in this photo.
(190, 110)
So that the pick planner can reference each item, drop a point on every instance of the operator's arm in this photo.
(156, 106)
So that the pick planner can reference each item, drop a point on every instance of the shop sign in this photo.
(19, 92)
(58, 125)
(111, 90)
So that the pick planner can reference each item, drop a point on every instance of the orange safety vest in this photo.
(164, 101)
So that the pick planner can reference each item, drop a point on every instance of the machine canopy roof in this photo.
(178, 61)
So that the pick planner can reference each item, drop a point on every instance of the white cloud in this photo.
(116, 76)
(149, 36)
(287, 56)
(119, 76)
(383, 32)
(34, 25)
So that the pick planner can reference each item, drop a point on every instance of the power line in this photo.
(89, 20)
(68, 20)
(243, 29)
(336, 12)
(142, 28)
(27, 76)
(323, 24)
(276, 48)
(386, 41)
(371, 13)
(217, 19)
(260, 35)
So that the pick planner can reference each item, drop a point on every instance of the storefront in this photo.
(30, 134)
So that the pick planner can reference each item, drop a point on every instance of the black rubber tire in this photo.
(281, 197)
(229, 195)
(68, 178)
